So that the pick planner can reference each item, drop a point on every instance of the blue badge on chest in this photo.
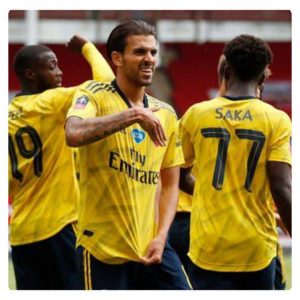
(138, 135)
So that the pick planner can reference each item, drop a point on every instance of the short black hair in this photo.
(117, 38)
(27, 56)
(248, 56)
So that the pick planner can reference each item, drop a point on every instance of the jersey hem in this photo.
(15, 242)
(281, 160)
(103, 258)
(176, 164)
(232, 268)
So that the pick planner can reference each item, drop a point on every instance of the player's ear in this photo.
(116, 58)
(227, 72)
(29, 74)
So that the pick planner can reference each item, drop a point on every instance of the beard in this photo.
(144, 78)
(139, 74)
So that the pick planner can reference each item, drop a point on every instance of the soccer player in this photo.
(280, 269)
(42, 181)
(241, 149)
(126, 138)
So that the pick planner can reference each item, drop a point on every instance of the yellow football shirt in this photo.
(119, 175)
(42, 183)
(232, 221)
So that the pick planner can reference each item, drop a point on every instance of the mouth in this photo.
(147, 70)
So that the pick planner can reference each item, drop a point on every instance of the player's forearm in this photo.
(100, 68)
(282, 198)
(168, 200)
(167, 209)
(280, 178)
(80, 132)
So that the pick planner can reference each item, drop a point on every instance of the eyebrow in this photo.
(139, 48)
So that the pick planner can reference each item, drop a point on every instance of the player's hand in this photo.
(154, 252)
(76, 43)
(150, 123)
(280, 224)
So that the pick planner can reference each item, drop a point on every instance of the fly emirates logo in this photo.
(130, 169)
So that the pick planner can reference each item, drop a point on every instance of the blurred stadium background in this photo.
(190, 44)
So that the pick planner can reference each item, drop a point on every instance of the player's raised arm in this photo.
(100, 68)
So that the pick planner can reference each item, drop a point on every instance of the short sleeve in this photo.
(281, 141)
(173, 156)
(84, 105)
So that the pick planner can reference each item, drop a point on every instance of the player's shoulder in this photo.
(23, 101)
(50, 97)
(163, 105)
(13, 101)
(271, 111)
(95, 86)
(198, 107)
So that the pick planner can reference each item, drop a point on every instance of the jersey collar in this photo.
(238, 98)
(115, 85)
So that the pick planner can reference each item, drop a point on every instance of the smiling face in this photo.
(138, 61)
(47, 74)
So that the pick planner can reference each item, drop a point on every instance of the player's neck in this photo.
(28, 89)
(239, 89)
(134, 93)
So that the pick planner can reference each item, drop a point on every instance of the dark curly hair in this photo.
(248, 56)
(117, 38)
(27, 56)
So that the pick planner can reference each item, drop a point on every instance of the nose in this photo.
(149, 57)
(59, 72)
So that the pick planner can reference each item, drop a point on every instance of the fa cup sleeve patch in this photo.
(81, 102)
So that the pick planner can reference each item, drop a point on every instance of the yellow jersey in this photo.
(233, 228)
(42, 183)
(119, 176)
